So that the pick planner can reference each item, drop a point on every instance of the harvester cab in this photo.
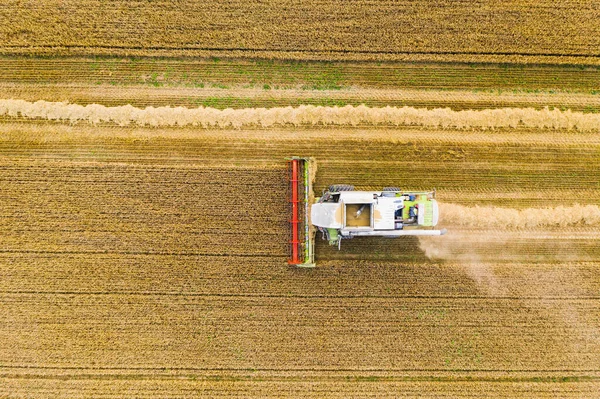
(343, 213)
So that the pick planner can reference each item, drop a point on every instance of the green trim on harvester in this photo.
(427, 209)
(333, 236)
(306, 222)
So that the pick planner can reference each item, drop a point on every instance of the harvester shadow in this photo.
(403, 249)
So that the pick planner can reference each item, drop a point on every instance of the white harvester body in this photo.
(389, 213)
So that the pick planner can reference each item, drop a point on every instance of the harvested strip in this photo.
(303, 115)
(239, 97)
(561, 216)
(312, 78)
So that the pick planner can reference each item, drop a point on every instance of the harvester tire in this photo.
(391, 189)
(334, 188)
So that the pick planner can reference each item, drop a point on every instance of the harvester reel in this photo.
(300, 194)
(391, 189)
(334, 188)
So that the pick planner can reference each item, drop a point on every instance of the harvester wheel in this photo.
(391, 189)
(334, 188)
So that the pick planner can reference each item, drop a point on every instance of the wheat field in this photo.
(152, 262)
(143, 199)
(486, 31)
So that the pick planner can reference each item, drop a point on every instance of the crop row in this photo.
(362, 29)
(364, 267)
(136, 210)
(304, 115)
(256, 98)
(198, 384)
(206, 74)
(174, 173)
(179, 331)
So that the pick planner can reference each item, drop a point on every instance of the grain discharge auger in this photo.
(343, 213)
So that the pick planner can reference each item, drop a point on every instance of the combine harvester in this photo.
(342, 213)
